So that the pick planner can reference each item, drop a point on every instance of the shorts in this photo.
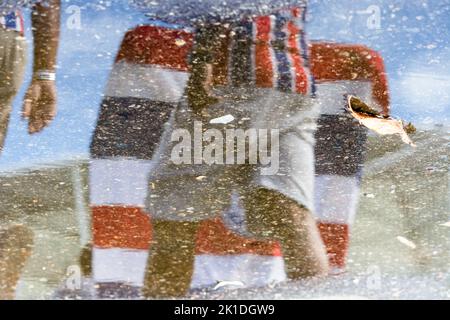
(195, 192)
(12, 69)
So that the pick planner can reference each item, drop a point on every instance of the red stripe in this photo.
(334, 62)
(301, 78)
(121, 227)
(336, 238)
(157, 46)
(263, 59)
(21, 21)
(297, 12)
(125, 227)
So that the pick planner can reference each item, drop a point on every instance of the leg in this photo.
(12, 69)
(15, 249)
(340, 153)
(273, 215)
(171, 261)
(5, 110)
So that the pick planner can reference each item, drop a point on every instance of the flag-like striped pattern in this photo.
(122, 235)
(342, 69)
(13, 21)
(273, 51)
(147, 81)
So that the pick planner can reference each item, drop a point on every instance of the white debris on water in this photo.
(223, 284)
(407, 242)
(223, 120)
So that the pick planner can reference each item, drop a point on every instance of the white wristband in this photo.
(45, 75)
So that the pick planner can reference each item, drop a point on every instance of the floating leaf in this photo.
(376, 122)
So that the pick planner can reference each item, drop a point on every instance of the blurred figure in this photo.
(253, 68)
(342, 69)
(129, 128)
(150, 78)
(39, 108)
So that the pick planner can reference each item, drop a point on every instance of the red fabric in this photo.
(336, 238)
(170, 48)
(263, 59)
(157, 46)
(301, 78)
(130, 228)
(121, 227)
(333, 62)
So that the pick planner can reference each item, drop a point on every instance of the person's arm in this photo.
(40, 100)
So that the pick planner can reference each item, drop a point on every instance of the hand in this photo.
(39, 106)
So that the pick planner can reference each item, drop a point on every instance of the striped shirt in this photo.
(191, 12)
(265, 51)
(279, 52)
(13, 21)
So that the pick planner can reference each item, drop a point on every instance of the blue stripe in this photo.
(304, 48)
(304, 52)
(302, 38)
(283, 64)
(11, 21)
(248, 27)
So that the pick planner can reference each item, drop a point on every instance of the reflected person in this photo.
(260, 83)
(39, 108)
(341, 69)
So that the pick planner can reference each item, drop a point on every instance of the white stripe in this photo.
(19, 22)
(330, 94)
(129, 266)
(250, 269)
(119, 265)
(253, 51)
(147, 82)
(119, 182)
(336, 198)
(309, 76)
(305, 56)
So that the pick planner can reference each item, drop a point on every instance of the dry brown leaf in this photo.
(376, 122)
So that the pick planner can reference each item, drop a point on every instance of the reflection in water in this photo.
(39, 107)
(15, 248)
(192, 218)
(188, 230)
(160, 229)
(342, 69)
